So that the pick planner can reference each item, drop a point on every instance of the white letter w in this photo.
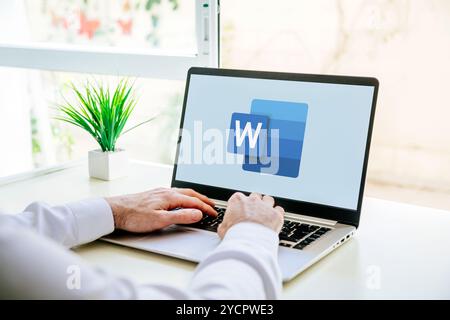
(247, 131)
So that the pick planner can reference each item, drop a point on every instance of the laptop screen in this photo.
(303, 141)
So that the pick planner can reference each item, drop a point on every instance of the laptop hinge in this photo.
(300, 217)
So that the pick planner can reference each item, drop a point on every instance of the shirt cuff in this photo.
(256, 246)
(93, 217)
(255, 233)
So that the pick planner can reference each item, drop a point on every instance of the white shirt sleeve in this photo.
(69, 225)
(34, 263)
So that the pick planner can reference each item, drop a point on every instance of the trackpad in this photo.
(180, 242)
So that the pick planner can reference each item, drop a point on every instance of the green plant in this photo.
(102, 114)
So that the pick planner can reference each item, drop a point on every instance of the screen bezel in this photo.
(342, 215)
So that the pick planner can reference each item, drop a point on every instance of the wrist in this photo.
(116, 209)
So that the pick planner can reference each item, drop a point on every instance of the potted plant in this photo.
(103, 114)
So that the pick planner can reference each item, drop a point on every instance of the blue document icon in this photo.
(248, 134)
(285, 123)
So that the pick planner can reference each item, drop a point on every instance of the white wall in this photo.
(404, 43)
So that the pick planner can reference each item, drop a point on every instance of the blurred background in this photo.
(404, 43)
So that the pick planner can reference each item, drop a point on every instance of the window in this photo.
(405, 44)
(46, 43)
(137, 24)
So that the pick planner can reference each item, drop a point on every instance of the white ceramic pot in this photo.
(108, 165)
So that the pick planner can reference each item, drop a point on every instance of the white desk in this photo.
(400, 251)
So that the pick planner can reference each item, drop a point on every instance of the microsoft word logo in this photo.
(270, 137)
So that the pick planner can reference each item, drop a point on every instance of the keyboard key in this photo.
(311, 238)
(292, 232)
(214, 224)
(299, 246)
(284, 244)
(303, 228)
(300, 233)
(296, 237)
(322, 231)
(210, 223)
(284, 236)
(290, 225)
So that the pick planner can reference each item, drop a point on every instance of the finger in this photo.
(181, 216)
(269, 200)
(279, 209)
(255, 195)
(193, 193)
(183, 201)
(237, 195)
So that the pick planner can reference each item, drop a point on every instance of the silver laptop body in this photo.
(337, 223)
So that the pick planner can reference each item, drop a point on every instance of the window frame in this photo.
(116, 61)
(147, 63)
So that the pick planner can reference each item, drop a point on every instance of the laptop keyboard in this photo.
(293, 234)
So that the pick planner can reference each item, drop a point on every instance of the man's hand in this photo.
(254, 208)
(150, 211)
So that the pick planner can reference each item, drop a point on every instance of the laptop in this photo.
(303, 139)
